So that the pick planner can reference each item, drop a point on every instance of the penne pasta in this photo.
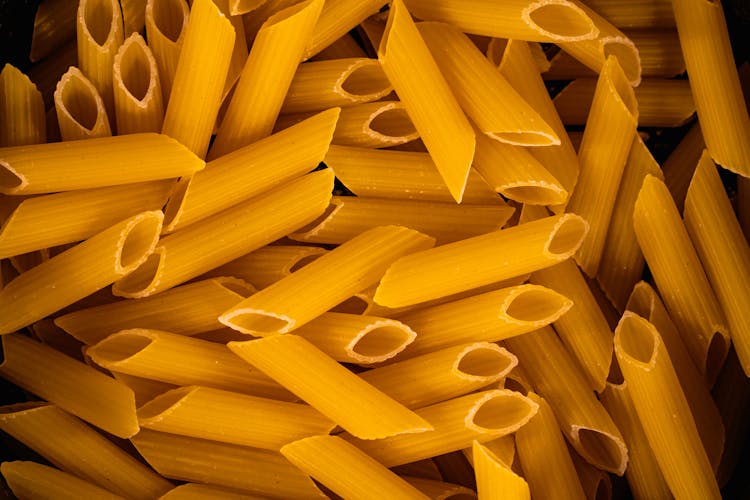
(166, 21)
(337, 82)
(197, 491)
(337, 18)
(33, 480)
(663, 410)
(349, 216)
(680, 165)
(228, 235)
(345, 47)
(21, 109)
(374, 125)
(368, 412)
(266, 77)
(609, 132)
(186, 310)
(325, 282)
(251, 170)
(144, 389)
(133, 15)
(54, 26)
(472, 262)
(80, 110)
(195, 97)
(239, 50)
(346, 470)
(440, 490)
(636, 13)
(70, 384)
(237, 7)
(595, 482)
(85, 268)
(137, 88)
(495, 479)
(714, 82)
(433, 109)
(687, 293)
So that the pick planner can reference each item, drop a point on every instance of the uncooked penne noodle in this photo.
(186, 310)
(34, 480)
(483, 93)
(555, 376)
(72, 275)
(54, 26)
(237, 7)
(440, 490)
(680, 277)
(338, 18)
(248, 171)
(70, 384)
(349, 216)
(80, 110)
(480, 416)
(137, 88)
(715, 82)
(636, 13)
(442, 375)
(263, 472)
(180, 360)
(230, 234)
(325, 282)
(516, 174)
(484, 317)
(346, 470)
(99, 34)
(345, 47)
(663, 410)
(400, 174)
(610, 42)
(356, 338)
(239, 50)
(643, 474)
(622, 260)
(680, 165)
(337, 82)
(595, 482)
(367, 412)
(45, 221)
(433, 109)
(554, 21)
(609, 132)
(266, 76)
(495, 479)
(196, 95)
(661, 102)
(76, 448)
(473, 262)
(133, 15)
(144, 389)
(235, 418)
(21, 109)
(166, 21)
(541, 448)
(197, 491)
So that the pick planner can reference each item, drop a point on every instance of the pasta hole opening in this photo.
(135, 71)
(79, 102)
(302, 262)
(630, 62)
(330, 209)
(240, 288)
(260, 322)
(637, 339)
(167, 17)
(535, 194)
(98, 17)
(139, 240)
(381, 341)
(352, 305)
(137, 282)
(119, 347)
(393, 122)
(174, 205)
(163, 403)
(366, 80)
(603, 490)
(715, 356)
(561, 20)
(601, 449)
(534, 305)
(8, 179)
(513, 384)
(526, 138)
(567, 236)
(500, 412)
(483, 362)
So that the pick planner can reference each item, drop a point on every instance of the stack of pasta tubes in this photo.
(299, 249)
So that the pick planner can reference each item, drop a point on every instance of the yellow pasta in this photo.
(715, 83)
(680, 277)
(663, 410)
(85, 268)
(228, 235)
(99, 34)
(179, 360)
(338, 82)
(70, 384)
(337, 18)
(345, 47)
(481, 416)
(54, 26)
(133, 15)
(266, 76)
(186, 310)
(137, 88)
(428, 99)
(81, 113)
(21, 110)
(41, 222)
(495, 479)
(239, 50)
(473, 262)
(33, 480)
(555, 376)
(196, 95)
(346, 470)
(680, 165)
(197, 491)
(144, 389)
(166, 21)
(325, 282)
(247, 172)
(635, 13)
(74, 447)
(349, 216)
(262, 472)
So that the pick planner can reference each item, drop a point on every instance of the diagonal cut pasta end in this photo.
(627, 55)
(567, 236)
(256, 322)
(500, 412)
(363, 81)
(11, 181)
(137, 241)
(161, 406)
(560, 20)
(534, 306)
(601, 449)
(484, 362)
(144, 280)
(120, 347)
(379, 341)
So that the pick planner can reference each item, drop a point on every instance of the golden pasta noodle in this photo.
(81, 113)
(133, 15)
(54, 26)
(22, 116)
(337, 18)
(166, 21)
(495, 479)
(680, 165)
(635, 13)
(34, 480)
(198, 491)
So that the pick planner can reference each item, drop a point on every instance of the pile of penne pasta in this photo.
(348, 248)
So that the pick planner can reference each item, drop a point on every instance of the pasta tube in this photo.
(166, 21)
(433, 109)
(495, 479)
(21, 109)
(133, 15)
(337, 18)
(54, 26)
(663, 410)
(368, 412)
(33, 480)
(197, 491)
(472, 262)
(80, 110)
(636, 13)
(144, 389)
(325, 282)
(679, 165)
(78, 272)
